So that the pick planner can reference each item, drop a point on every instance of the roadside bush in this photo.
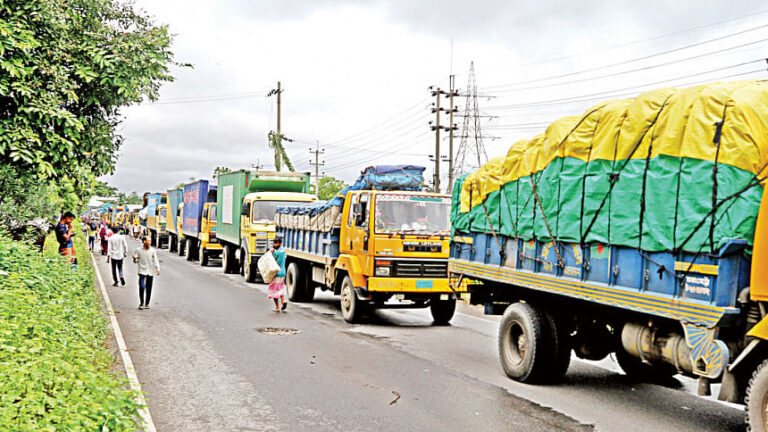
(54, 362)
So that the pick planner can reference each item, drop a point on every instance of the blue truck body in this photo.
(699, 290)
(322, 244)
(195, 196)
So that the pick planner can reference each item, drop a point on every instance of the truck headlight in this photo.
(382, 268)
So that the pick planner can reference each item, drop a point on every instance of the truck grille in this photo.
(261, 245)
(420, 269)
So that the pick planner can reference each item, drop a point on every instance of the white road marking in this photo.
(133, 379)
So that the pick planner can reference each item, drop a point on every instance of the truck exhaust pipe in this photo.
(657, 346)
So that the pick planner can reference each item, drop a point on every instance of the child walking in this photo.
(149, 266)
(277, 286)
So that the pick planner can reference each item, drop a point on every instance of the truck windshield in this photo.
(265, 210)
(212, 214)
(406, 213)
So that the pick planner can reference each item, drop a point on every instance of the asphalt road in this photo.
(206, 364)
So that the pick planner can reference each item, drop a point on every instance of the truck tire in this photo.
(153, 240)
(757, 399)
(293, 283)
(351, 306)
(249, 268)
(525, 343)
(226, 259)
(173, 244)
(203, 257)
(560, 359)
(191, 250)
(442, 311)
(182, 247)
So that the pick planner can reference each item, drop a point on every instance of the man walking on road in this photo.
(117, 249)
(149, 266)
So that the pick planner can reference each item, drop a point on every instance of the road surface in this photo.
(207, 361)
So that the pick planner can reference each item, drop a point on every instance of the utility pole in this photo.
(436, 128)
(451, 128)
(257, 166)
(437, 93)
(317, 152)
(276, 139)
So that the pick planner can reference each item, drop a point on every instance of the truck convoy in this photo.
(246, 203)
(636, 229)
(381, 237)
(198, 225)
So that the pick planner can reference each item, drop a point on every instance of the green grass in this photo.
(54, 360)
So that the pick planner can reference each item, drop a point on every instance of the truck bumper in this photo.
(408, 285)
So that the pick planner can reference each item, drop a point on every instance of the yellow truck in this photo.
(380, 238)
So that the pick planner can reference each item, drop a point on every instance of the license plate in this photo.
(424, 284)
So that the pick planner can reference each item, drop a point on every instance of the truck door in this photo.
(358, 228)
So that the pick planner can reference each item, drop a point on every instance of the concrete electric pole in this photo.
(317, 164)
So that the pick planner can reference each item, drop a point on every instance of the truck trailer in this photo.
(635, 229)
(380, 238)
(175, 198)
(199, 222)
(156, 222)
(246, 202)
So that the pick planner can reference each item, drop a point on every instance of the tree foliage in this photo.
(220, 170)
(66, 69)
(329, 186)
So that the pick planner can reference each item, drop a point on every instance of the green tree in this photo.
(329, 187)
(66, 69)
(220, 170)
(102, 189)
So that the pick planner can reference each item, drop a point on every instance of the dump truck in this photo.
(378, 239)
(635, 229)
(198, 227)
(156, 222)
(246, 202)
(175, 198)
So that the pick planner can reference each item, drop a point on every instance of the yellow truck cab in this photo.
(209, 244)
(179, 223)
(378, 245)
(257, 225)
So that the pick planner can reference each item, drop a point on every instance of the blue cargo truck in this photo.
(639, 229)
(198, 230)
(156, 224)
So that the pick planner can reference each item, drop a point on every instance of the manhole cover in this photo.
(274, 331)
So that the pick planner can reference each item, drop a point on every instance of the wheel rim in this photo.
(289, 282)
(517, 343)
(346, 298)
(765, 410)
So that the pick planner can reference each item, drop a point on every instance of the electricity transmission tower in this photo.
(471, 151)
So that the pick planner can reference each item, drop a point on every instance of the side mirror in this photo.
(244, 211)
(357, 210)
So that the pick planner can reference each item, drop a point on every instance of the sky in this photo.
(357, 76)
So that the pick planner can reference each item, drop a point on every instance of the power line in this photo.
(379, 125)
(639, 59)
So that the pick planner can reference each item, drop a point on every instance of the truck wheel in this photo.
(442, 311)
(523, 343)
(249, 270)
(561, 346)
(153, 240)
(173, 244)
(757, 399)
(191, 250)
(351, 306)
(203, 257)
(182, 247)
(226, 259)
(293, 283)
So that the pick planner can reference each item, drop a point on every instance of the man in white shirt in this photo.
(117, 249)
(149, 267)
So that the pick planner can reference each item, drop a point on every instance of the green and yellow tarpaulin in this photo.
(672, 169)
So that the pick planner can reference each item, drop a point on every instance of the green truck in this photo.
(246, 218)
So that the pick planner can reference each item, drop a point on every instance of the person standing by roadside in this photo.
(90, 229)
(104, 234)
(64, 234)
(117, 250)
(149, 267)
(277, 286)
